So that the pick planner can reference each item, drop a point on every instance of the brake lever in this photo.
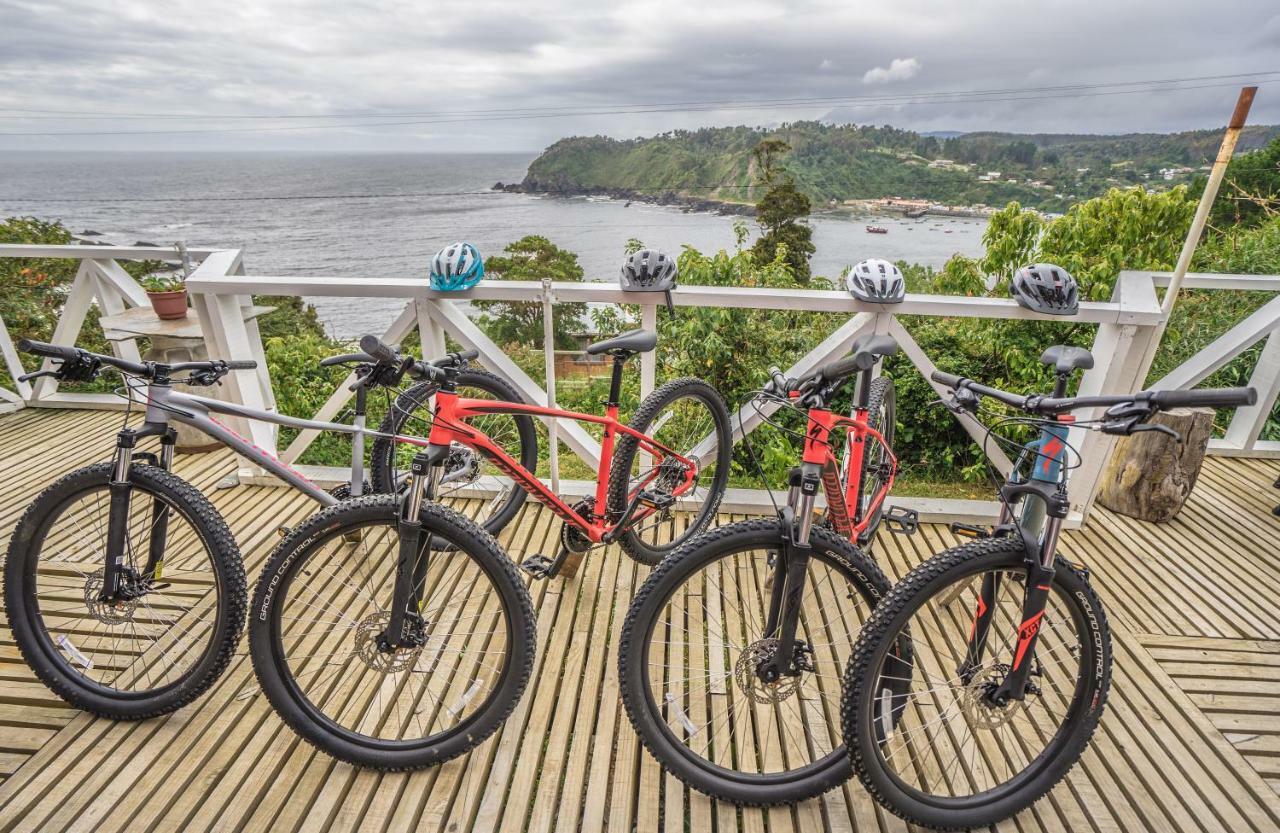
(1155, 426)
(27, 377)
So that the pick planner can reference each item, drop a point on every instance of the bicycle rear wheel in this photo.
(690, 646)
(177, 630)
(882, 407)
(952, 758)
(688, 417)
(321, 607)
(467, 474)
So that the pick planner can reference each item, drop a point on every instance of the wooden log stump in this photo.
(1150, 475)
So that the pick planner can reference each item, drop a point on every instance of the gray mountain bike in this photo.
(126, 593)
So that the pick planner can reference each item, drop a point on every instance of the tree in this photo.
(780, 211)
(1251, 191)
(531, 258)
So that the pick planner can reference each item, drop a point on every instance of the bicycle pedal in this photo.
(969, 530)
(538, 566)
(654, 500)
(902, 521)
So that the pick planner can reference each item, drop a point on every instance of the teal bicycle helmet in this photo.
(456, 267)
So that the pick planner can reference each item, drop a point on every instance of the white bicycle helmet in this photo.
(877, 281)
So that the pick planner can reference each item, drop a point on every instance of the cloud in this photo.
(471, 63)
(899, 69)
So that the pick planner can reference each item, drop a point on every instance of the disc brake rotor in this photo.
(368, 648)
(744, 673)
(976, 702)
(107, 613)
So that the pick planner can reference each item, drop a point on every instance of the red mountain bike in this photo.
(441, 626)
(732, 651)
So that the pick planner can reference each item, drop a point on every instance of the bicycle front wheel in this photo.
(174, 628)
(951, 757)
(320, 610)
(691, 644)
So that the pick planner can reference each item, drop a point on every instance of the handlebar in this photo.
(1157, 400)
(82, 365)
(347, 358)
(376, 352)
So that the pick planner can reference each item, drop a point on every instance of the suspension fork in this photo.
(790, 571)
(118, 515)
(160, 513)
(1039, 583)
(414, 552)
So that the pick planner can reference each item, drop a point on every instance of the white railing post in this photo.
(1247, 424)
(648, 361)
(549, 361)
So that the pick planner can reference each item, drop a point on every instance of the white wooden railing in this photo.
(1126, 326)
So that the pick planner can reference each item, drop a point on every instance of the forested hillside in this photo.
(843, 162)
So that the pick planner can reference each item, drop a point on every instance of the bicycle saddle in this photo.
(627, 344)
(1064, 358)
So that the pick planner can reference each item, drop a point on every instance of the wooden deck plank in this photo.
(1190, 739)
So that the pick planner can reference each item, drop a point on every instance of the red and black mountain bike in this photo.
(733, 650)
(979, 679)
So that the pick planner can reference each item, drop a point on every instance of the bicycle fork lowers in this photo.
(120, 583)
(1043, 506)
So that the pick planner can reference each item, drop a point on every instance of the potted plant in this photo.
(168, 295)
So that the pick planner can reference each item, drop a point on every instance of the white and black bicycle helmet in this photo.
(877, 281)
(1046, 288)
(648, 270)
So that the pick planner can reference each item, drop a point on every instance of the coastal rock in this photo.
(90, 233)
(533, 185)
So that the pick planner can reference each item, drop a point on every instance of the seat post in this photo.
(615, 384)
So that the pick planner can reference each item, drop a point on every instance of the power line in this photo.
(1081, 91)
(573, 109)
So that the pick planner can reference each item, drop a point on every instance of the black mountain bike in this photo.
(1008, 658)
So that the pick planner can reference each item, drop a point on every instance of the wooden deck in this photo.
(1190, 740)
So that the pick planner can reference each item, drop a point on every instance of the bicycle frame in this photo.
(449, 426)
(841, 498)
(165, 405)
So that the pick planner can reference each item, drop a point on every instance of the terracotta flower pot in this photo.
(169, 305)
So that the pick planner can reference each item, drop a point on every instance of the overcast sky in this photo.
(269, 58)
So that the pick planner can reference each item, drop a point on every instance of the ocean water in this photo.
(383, 215)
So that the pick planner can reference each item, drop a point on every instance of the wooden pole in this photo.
(1229, 139)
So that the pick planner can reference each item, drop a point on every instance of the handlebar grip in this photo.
(347, 358)
(242, 364)
(949, 380)
(843, 367)
(776, 379)
(379, 351)
(1209, 397)
(469, 355)
(51, 351)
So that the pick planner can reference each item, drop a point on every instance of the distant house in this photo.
(989, 176)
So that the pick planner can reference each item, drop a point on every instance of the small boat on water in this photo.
(877, 230)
